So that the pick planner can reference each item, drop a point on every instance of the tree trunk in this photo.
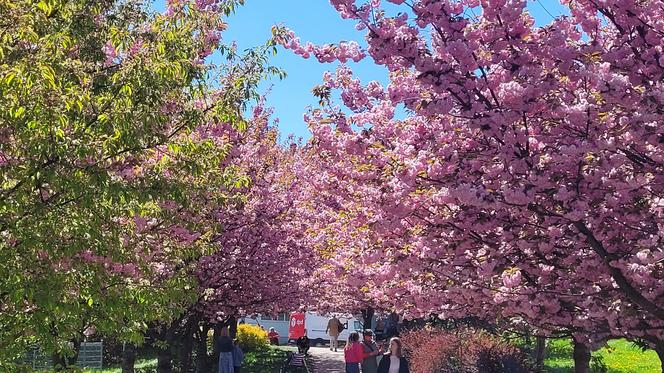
(62, 362)
(540, 348)
(201, 348)
(214, 359)
(165, 360)
(215, 336)
(128, 357)
(367, 317)
(581, 358)
(232, 327)
(527, 337)
(659, 348)
(186, 348)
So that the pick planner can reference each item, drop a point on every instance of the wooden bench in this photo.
(295, 362)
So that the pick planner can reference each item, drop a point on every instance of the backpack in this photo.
(341, 327)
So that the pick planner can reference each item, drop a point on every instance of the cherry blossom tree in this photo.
(260, 263)
(526, 178)
(247, 244)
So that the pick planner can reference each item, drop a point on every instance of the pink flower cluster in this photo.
(343, 51)
(110, 53)
(124, 269)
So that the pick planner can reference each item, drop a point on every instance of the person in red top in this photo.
(354, 353)
(273, 336)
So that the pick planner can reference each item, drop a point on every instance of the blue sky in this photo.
(318, 22)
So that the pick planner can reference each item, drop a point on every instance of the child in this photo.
(238, 356)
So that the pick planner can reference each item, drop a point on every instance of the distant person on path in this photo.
(238, 357)
(333, 330)
(303, 343)
(225, 346)
(370, 364)
(393, 361)
(392, 325)
(380, 329)
(354, 353)
(273, 336)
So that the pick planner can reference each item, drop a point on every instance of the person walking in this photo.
(333, 330)
(371, 350)
(225, 346)
(303, 344)
(238, 357)
(393, 361)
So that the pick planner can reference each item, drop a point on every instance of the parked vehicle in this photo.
(314, 323)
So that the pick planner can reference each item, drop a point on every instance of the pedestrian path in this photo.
(326, 361)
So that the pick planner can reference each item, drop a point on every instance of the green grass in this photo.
(620, 356)
(265, 361)
(141, 366)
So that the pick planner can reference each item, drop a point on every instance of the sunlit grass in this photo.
(620, 356)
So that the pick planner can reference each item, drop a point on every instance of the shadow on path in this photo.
(326, 361)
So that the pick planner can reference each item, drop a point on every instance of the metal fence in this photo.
(91, 355)
(37, 360)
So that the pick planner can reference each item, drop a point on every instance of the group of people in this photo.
(366, 354)
(357, 353)
(230, 353)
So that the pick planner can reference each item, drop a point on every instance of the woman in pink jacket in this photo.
(354, 353)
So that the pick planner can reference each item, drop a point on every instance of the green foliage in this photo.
(251, 337)
(89, 141)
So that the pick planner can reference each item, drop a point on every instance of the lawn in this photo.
(620, 356)
(265, 361)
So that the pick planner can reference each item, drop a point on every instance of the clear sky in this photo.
(318, 22)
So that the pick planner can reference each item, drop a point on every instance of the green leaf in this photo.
(49, 75)
(45, 7)
(116, 135)
(19, 112)
(126, 90)
(9, 78)
(90, 302)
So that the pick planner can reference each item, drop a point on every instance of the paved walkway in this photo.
(326, 361)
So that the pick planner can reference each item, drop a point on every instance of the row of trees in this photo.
(523, 178)
(143, 188)
(141, 193)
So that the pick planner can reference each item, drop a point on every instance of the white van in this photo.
(313, 322)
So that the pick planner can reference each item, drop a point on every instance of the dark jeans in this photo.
(352, 367)
(236, 369)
